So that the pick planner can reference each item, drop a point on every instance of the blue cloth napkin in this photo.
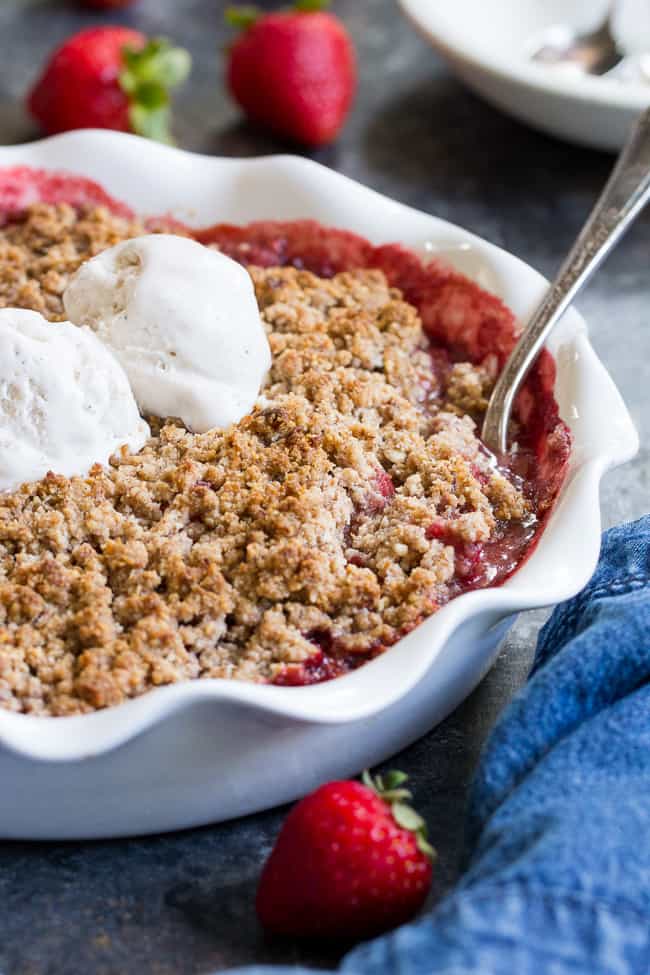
(558, 876)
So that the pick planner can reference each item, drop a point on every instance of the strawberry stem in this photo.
(389, 788)
(146, 78)
(310, 6)
(242, 17)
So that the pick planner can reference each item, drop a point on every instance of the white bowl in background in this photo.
(208, 750)
(487, 45)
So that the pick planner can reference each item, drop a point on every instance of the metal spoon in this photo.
(626, 193)
(596, 52)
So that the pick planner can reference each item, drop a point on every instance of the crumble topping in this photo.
(350, 504)
(39, 253)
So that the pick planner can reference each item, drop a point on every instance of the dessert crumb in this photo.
(346, 507)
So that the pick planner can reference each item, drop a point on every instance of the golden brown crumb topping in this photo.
(38, 254)
(236, 553)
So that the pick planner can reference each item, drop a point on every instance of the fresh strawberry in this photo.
(109, 78)
(293, 71)
(351, 861)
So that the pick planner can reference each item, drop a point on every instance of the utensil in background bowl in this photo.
(208, 750)
(594, 52)
(489, 47)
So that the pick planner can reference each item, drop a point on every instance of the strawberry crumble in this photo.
(351, 503)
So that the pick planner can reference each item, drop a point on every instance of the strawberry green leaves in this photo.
(146, 78)
(311, 6)
(389, 788)
(243, 17)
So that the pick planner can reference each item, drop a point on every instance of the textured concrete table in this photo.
(183, 904)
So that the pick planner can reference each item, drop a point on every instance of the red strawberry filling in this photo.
(20, 186)
(381, 491)
(328, 662)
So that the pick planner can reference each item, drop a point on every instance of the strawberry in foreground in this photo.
(351, 861)
(293, 71)
(109, 78)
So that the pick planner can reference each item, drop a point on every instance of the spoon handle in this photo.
(626, 193)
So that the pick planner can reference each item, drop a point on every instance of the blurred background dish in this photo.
(494, 58)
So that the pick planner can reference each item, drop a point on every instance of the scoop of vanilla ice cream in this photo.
(183, 321)
(65, 401)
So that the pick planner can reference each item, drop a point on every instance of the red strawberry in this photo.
(109, 78)
(351, 861)
(294, 71)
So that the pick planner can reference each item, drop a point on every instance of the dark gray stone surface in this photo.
(183, 903)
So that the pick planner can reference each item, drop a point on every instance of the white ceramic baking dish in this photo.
(208, 750)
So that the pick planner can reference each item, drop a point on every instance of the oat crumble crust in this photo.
(222, 554)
